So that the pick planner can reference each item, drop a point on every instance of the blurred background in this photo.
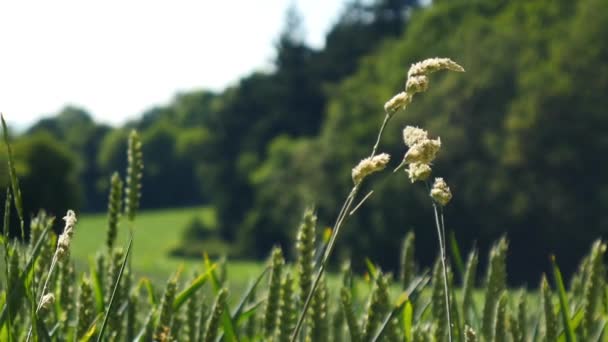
(251, 112)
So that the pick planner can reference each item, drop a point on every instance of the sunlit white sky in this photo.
(117, 58)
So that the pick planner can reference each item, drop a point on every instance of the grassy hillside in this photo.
(156, 234)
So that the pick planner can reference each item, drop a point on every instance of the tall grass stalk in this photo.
(417, 82)
(61, 251)
(441, 236)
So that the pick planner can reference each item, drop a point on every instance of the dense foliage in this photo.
(523, 133)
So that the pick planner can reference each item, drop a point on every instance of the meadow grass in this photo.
(105, 298)
(156, 233)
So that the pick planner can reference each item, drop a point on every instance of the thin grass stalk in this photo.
(340, 220)
(336, 231)
(441, 235)
(5, 240)
(60, 252)
(116, 286)
(13, 179)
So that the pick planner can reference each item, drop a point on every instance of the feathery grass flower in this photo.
(441, 192)
(47, 300)
(418, 172)
(431, 65)
(369, 165)
(424, 151)
(63, 243)
(413, 135)
(416, 84)
(397, 103)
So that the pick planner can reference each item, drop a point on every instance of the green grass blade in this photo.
(371, 268)
(197, 283)
(145, 282)
(18, 294)
(13, 177)
(408, 320)
(97, 287)
(248, 311)
(456, 255)
(111, 304)
(401, 302)
(239, 309)
(597, 335)
(227, 323)
(563, 302)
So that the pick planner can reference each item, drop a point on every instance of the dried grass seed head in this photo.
(418, 172)
(424, 151)
(368, 166)
(63, 243)
(47, 300)
(416, 84)
(397, 103)
(441, 192)
(413, 135)
(431, 65)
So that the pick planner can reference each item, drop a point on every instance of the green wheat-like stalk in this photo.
(407, 266)
(135, 168)
(495, 285)
(213, 322)
(305, 247)
(274, 292)
(114, 206)
(349, 314)
(163, 326)
(286, 317)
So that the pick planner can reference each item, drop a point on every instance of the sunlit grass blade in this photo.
(597, 335)
(244, 300)
(249, 310)
(399, 305)
(371, 268)
(456, 255)
(13, 178)
(97, 286)
(147, 284)
(563, 302)
(116, 285)
(18, 294)
(408, 320)
(227, 323)
(197, 283)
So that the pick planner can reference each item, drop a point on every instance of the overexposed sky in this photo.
(116, 58)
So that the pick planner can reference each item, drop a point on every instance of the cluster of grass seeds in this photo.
(42, 297)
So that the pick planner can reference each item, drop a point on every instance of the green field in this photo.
(156, 233)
